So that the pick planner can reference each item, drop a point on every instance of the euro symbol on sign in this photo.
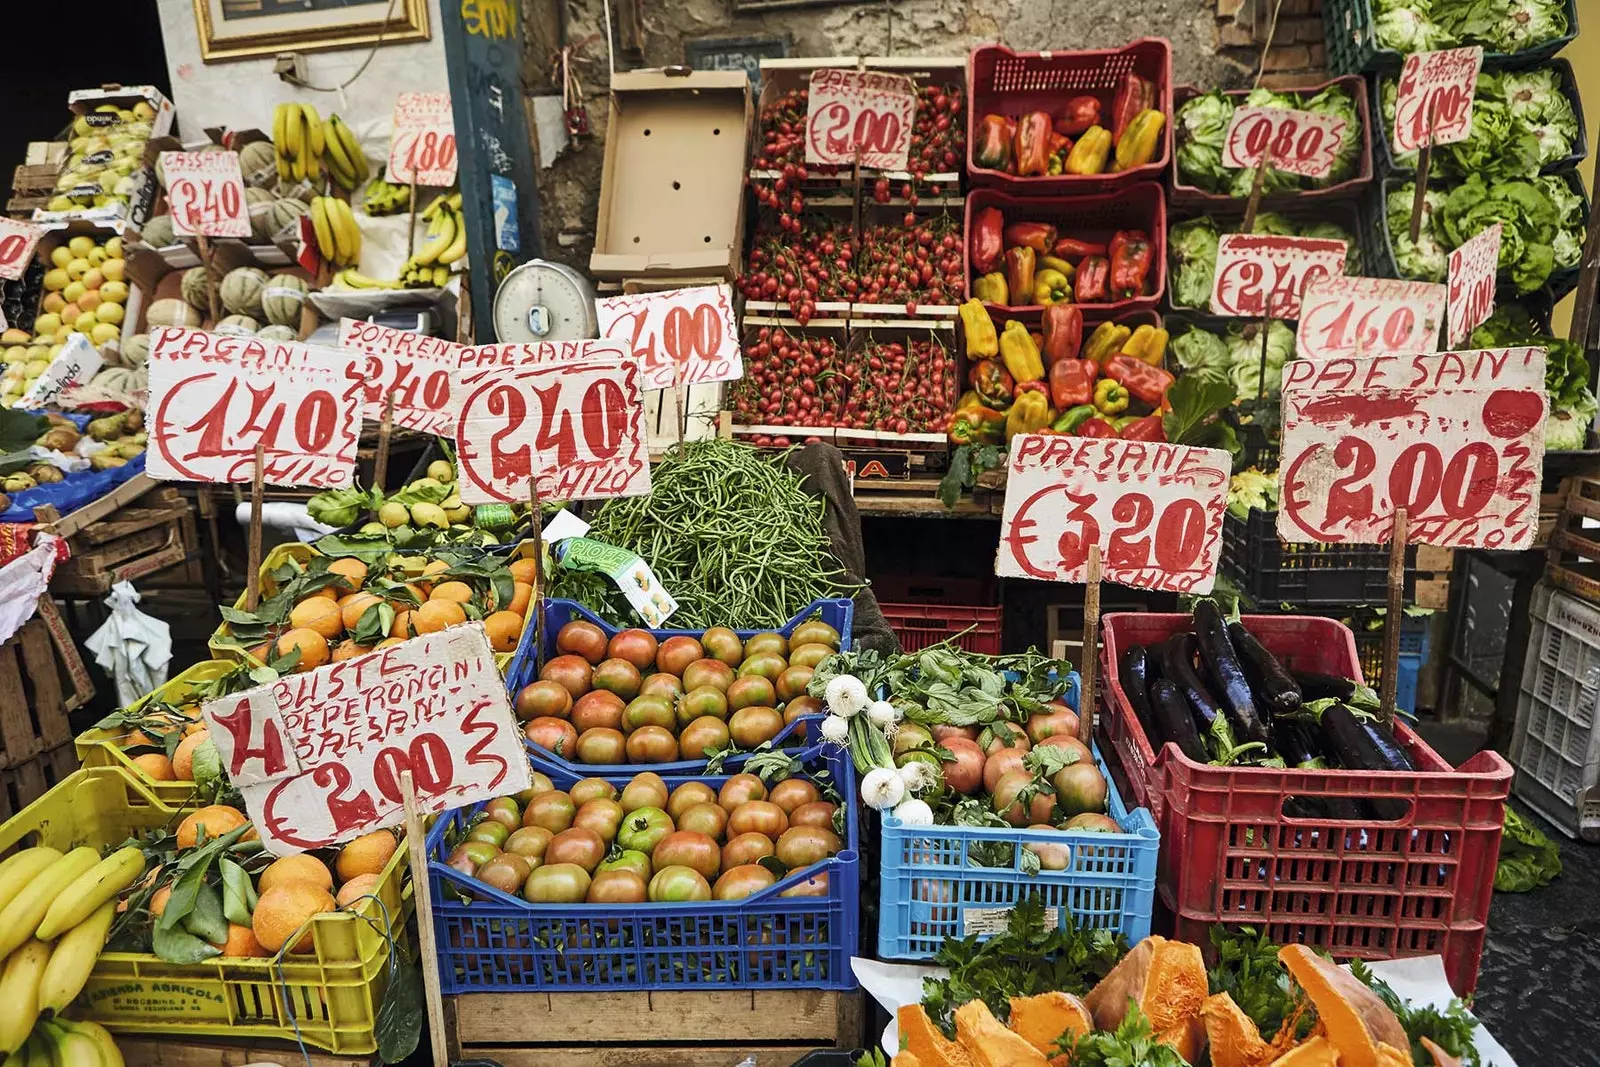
(1019, 538)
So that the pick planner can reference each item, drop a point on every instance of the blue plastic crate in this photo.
(930, 890)
(499, 943)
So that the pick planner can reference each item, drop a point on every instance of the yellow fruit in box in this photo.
(60, 203)
(70, 314)
(14, 336)
(88, 301)
(96, 256)
(115, 271)
(47, 324)
(114, 248)
(61, 255)
(74, 292)
(80, 246)
(54, 350)
(38, 351)
(144, 112)
(56, 280)
(34, 367)
(108, 313)
(114, 291)
(14, 356)
(104, 333)
(94, 279)
(53, 302)
(78, 267)
(61, 335)
(86, 321)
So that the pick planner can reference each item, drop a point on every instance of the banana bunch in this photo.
(55, 913)
(446, 239)
(346, 163)
(298, 136)
(385, 198)
(417, 276)
(64, 1043)
(350, 278)
(338, 238)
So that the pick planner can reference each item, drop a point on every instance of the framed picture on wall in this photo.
(237, 29)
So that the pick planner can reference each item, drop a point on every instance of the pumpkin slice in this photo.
(1312, 1052)
(925, 1042)
(1233, 1036)
(905, 1058)
(1041, 1020)
(1441, 1058)
(989, 1043)
(1166, 979)
(1187, 1038)
(1358, 1023)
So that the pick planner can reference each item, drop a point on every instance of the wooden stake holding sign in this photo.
(1419, 198)
(1392, 622)
(536, 601)
(380, 460)
(1090, 674)
(1433, 106)
(252, 588)
(417, 850)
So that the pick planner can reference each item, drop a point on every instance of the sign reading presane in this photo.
(850, 111)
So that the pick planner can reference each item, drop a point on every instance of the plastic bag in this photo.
(132, 647)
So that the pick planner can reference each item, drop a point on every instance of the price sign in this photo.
(1255, 268)
(850, 109)
(412, 367)
(1440, 84)
(77, 362)
(423, 147)
(1473, 266)
(1368, 317)
(206, 194)
(679, 336)
(1457, 439)
(17, 242)
(1154, 509)
(1302, 142)
(569, 412)
(214, 398)
(319, 756)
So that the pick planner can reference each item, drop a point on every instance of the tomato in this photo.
(578, 845)
(504, 810)
(723, 644)
(478, 852)
(792, 682)
(704, 672)
(740, 788)
(598, 709)
(706, 734)
(769, 642)
(601, 745)
(708, 819)
(495, 833)
(557, 883)
(652, 744)
(553, 811)
(1005, 803)
(1055, 721)
(999, 735)
(793, 793)
(699, 703)
(587, 789)
(743, 881)
(1080, 788)
(766, 665)
(668, 687)
(1001, 762)
(648, 711)
(809, 655)
(1092, 822)
(602, 815)
(759, 817)
(636, 646)
(541, 784)
(541, 699)
(687, 796)
(553, 735)
(529, 842)
(817, 813)
(617, 887)
(801, 846)
(581, 638)
(746, 848)
(909, 735)
(1068, 741)
(646, 789)
(815, 632)
(618, 676)
(751, 692)
(673, 885)
(943, 733)
(754, 726)
(688, 848)
(812, 885)
(676, 653)
(574, 673)
(506, 872)
(460, 861)
(643, 829)
(1052, 857)
(963, 772)
(628, 859)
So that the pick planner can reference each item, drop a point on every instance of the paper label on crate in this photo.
(631, 573)
(1359, 317)
(848, 110)
(434, 705)
(77, 362)
(18, 239)
(1457, 439)
(414, 368)
(570, 412)
(423, 147)
(1301, 142)
(987, 922)
(1473, 266)
(680, 336)
(213, 399)
(206, 194)
(1264, 274)
(1154, 509)
(1436, 86)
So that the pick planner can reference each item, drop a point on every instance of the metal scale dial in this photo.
(544, 301)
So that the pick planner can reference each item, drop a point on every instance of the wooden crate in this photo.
(1433, 577)
(671, 1028)
(151, 532)
(37, 690)
(1572, 559)
(164, 1052)
(22, 784)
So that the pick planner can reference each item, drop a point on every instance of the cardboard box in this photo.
(672, 191)
(82, 103)
(155, 276)
(59, 233)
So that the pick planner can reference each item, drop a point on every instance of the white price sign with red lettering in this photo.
(206, 193)
(423, 147)
(570, 412)
(1473, 266)
(18, 239)
(1369, 317)
(1437, 85)
(1302, 142)
(1154, 509)
(1457, 439)
(680, 336)
(214, 398)
(319, 755)
(413, 367)
(851, 109)
(1262, 274)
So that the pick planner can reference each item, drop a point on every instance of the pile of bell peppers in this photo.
(1031, 264)
(1082, 136)
(1108, 384)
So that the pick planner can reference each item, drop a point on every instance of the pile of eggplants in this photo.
(1222, 698)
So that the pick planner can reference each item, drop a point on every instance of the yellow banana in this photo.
(320, 224)
(441, 277)
(21, 868)
(340, 166)
(90, 890)
(21, 917)
(291, 131)
(280, 137)
(441, 232)
(314, 125)
(73, 1049)
(458, 245)
(73, 958)
(37, 1051)
(19, 993)
(110, 1054)
(352, 149)
(346, 234)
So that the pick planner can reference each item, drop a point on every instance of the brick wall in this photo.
(1297, 56)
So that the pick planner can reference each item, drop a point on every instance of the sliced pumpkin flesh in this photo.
(1041, 1020)
(1358, 1023)
(925, 1042)
(1234, 1039)
(1441, 1058)
(905, 1058)
(1175, 986)
(989, 1043)
(1312, 1052)
(1108, 1000)
(1187, 1038)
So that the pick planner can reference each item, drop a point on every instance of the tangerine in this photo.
(241, 942)
(523, 570)
(403, 626)
(352, 607)
(312, 645)
(351, 569)
(155, 766)
(360, 886)
(285, 909)
(435, 615)
(521, 597)
(504, 629)
(183, 755)
(367, 854)
(299, 867)
(138, 738)
(460, 592)
(387, 642)
(348, 649)
(218, 819)
(317, 613)
(158, 900)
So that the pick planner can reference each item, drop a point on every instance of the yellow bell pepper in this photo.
(1139, 141)
(1029, 414)
(1052, 263)
(1147, 345)
(991, 288)
(1020, 354)
(1089, 155)
(1051, 287)
(1110, 397)
(981, 339)
(1106, 341)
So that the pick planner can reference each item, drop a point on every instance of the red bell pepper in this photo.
(1071, 248)
(993, 147)
(1096, 428)
(987, 243)
(1063, 334)
(1077, 115)
(1038, 236)
(1019, 274)
(1091, 285)
(1030, 148)
(1148, 428)
(1130, 263)
(1147, 384)
(992, 382)
(1071, 383)
(1134, 94)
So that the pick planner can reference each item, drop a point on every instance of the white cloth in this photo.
(23, 581)
(287, 516)
(132, 647)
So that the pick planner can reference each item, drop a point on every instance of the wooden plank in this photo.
(76, 674)
(23, 784)
(1433, 594)
(124, 494)
(639, 1055)
(106, 557)
(1433, 558)
(49, 702)
(132, 571)
(131, 520)
(16, 725)
(798, 1015)
(165, 1052)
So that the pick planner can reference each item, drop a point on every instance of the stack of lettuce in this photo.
(1202, 122)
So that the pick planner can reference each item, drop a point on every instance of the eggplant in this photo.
(1134, 674)
(1177, 665)
(1222, 662)
(1295, 741)
(1173, 722)
(1314, 686)
(1384, 738)
(1349, 744)
(1267, 677)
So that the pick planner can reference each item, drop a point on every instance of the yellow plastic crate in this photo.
(330, 996)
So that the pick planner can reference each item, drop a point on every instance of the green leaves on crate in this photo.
(1450, 1029)
(398, 1025)
(966, 463)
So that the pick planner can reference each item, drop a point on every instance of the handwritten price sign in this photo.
(206, 193)
(1473, 265)
(319, 756)
(1457, 439)
(569, 412)
(1440, 85)
(1254, 270)
(1154, 509)
(851, 109)
(214, 398)
(679, 336)
(1369, 317)
(17, 242)
(412, 367)
(1302, 142)
(423, 148)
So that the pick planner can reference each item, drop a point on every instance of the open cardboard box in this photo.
(672, 191)
(82, 103)
(59, 233)
(153, 278)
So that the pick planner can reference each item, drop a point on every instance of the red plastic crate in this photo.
(1088, 218)
(1374, 889)
(919, 625)
(1003, 82)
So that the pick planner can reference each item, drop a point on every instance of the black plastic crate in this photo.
(1345, 213)
(1347, 30)
(1271, 571)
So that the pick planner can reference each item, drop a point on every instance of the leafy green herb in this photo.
(873, 1057)
(1450, 1029)
(1248, 970)
(398, 1025)
(1131, 1044)
(966, 463)
(1196, 415)
(1528, 859)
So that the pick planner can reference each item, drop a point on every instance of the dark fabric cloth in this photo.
(823, 468)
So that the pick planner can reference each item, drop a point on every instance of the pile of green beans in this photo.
(729, 532)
